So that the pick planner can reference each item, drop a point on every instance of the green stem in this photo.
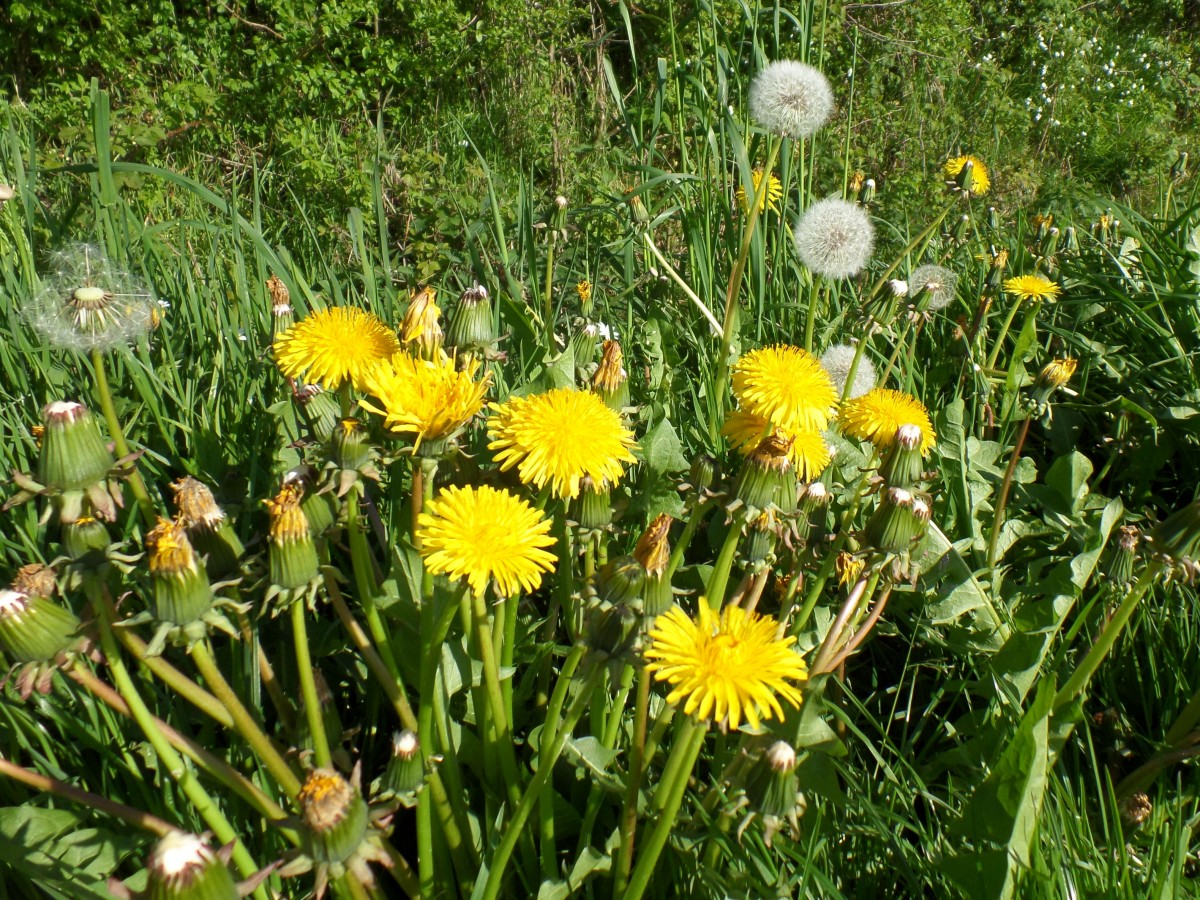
(689, 530)
(308, 687)
(174, 679)
(243, 722)
(1008, 320)
(501, 726)
(675, 778)
(174, 765)
(859, 349)
(1185, 723)
(719, 579)
(364, 583)
(633, 784)
(136, 484)
(814, 304)
(1002, 499)
(883, 279)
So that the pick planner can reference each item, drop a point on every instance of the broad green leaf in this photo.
(51, 849)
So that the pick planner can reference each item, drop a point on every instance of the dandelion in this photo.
(334, 346)
(837, 361)
(938, 282)
(877, 416)
(1032, 287)
(806, 449)
(834, 238)
(420, 332)
(429, 399)
(89, 303)
(785, 385)
(728, 666)
(486, 535)
(790, 98)
(980, 182)
(558, 437)
(771, 196)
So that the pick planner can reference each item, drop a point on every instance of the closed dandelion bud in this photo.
(35, 629)
(902, 465)
(898, 521)
(653, 552)
(208, 528)
(1054, 375)
(767, 475)
(1179, 167)
(74, 455)
(472, 328)
(420, 332)
(1120, 564)
(405, 771)
(182, 593)
(349, 445)
(1177, 537)
(293, 555)
(282, 317)
(612, 630)
(558, 217)
(897, 287)
(183, 867)
(583, 344)
(611, 382)
(320, 508)
(1049, 243)
(86, 541)
(995, 276)
(704, 473)
(335, 816)
(813, 499)
(868, 191)
(1070, 240)
(993, 218)
(592, 509)
(641, 215)
(619, 582)
(771, 791)
(320, 408)
(961, 227)
(761, 538)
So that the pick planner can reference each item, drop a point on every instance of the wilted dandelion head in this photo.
(834, 238)
(790, 98)
(939, 281)
(87, 302)
(837, 361)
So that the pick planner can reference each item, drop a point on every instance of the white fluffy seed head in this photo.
(790, 98)
(939, 281)
(834, 238)
(837, 362)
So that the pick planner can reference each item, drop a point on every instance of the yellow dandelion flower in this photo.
(430, 399)
(980, 182)
(728, 666)
(484, 534)
(877, 415)
(584, 289)
(771, 196)
(786, 385)
(333, 346)
(1032, 287)
(170, 550)
(807, 450)
(558, 437)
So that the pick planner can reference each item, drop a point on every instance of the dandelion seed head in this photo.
(790, 98)
(837, 361)
(834, 238)
(939, 281)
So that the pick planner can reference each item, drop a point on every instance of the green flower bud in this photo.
(182, 593)
(610, 380)
(902, 466)
(35, 629)
(334, 814)
(183, 867)
(472, 328)
(762, 536)
(292, 554)
(282, 317)
(1120, 564)
(771, 791)
(208, 527)
(320, 408)
(704, 473)
(767, 477)
(86, 542)
(406, 771)
(592, 509)
(619, 582)
(583, 344)
(898, 521)
(74, 456)
(653, 553)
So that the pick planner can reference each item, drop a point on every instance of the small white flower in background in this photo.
(837, 361)
(940, 282)
(834, 238)
(790, 98)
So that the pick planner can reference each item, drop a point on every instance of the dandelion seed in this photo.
(837, 361)
(834, 238)
(940, 282)
(790, 98)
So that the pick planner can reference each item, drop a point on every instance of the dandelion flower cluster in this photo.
(837, 361)
(834, 238)
(725, 667)
(939, 281)
(770, 197)
(334, 346)
(980, 182)
(790, 98)
(786, 386)
(484, 534)
(429, 399)
(1032, 287)
(88, 302)
(559, 437)
(877, 415)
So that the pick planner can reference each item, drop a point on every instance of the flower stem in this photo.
(174, 679)
(859, 348)
(1008, 320)
(243, 722)
(501, 731)
(689, 530)
(674, 782)
(719, 579)
(136, 484)
(833, 636)
(633, 784)
(364, 583)
(308, 687)
(912, 245)
(1006, 486)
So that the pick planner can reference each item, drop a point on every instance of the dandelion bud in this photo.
(619, 582)
(583, 344)
(767, 475)
(898, 521)
(771, 791)
(938, 283)
(472, 329)
(834, 238)
(74, 462)
(653, 552)
(967, 174)
(868, 191)
(902, 464)
(762, 535)
(592, 508)
(334, 814)
(35, 629)
(641, 217)
(208, 528)
(993, 218)
(420, 332)
(406, 770)
(182, 593)
(1178, 168)
(790, 98)
(814, 498)
(1070, 240)
(995, 273)
(183, 867)
(349, 445)
(293, 555)
(857, 180)
(1054, 375)
(611, 382)
(704, 473)
(1049, 243)
(1120, 564)
(282, 317)
(961, 228)
(86, 542)
(584, 289)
